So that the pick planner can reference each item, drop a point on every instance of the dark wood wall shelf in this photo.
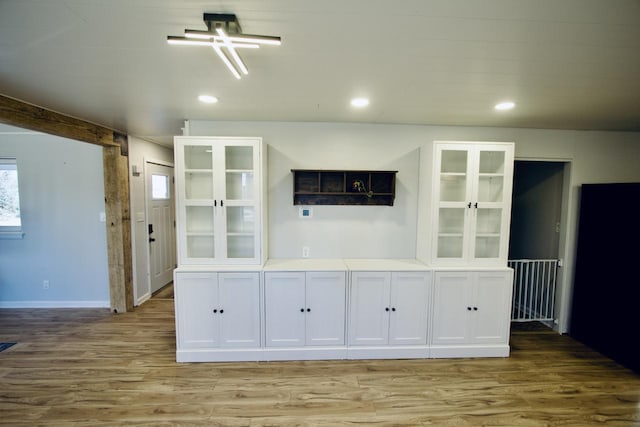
(343, 187)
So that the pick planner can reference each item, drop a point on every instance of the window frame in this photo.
(12, 231)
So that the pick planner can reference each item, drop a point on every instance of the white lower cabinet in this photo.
(328, 310)
(217, 315)
(305, 311)
(389, 314)
(471, 315)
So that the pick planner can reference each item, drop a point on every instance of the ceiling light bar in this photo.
(224, 35)
(226, 61)
(240, 38)
(197, 42)
(229, 45)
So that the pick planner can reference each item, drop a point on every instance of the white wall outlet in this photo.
(45, 284)
(305, 252)
(103, 217)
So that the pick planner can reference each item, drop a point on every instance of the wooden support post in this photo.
(116, 185)
(116, 197)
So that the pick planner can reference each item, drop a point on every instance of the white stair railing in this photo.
(534, 289)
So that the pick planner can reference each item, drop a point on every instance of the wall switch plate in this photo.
(305, 252)
(45, 284)
(103, 217)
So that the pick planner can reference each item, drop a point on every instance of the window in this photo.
(160, 187)
(10, 222)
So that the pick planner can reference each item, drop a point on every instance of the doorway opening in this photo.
(535, 239)
(160, 204)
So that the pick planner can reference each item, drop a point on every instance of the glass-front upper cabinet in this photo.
(220, 196)
(472, 206)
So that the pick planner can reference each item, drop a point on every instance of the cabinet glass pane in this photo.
(200, 247)
(449, 246)
(453, 188)
(451, 220)
(239, 185)
(239, 157)
(454, 161)
(492, 162)
(490, 188)
(197, 157)
(488, 221)
(240, 219)
(240, 247)
(198, 185)
(199, 219)
(487, 240)
(487, 247)
(240, 232)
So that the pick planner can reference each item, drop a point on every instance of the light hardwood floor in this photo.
(87, 367)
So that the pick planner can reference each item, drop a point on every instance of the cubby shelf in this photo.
(343, 187)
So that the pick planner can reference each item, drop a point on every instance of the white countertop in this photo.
(305, 264)
(336, 264)
(210, 268)
(386, 265)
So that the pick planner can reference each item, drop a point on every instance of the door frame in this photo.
(147, 284)
(565, 256)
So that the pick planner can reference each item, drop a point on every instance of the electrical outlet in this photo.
(45, 284)
(305, 252)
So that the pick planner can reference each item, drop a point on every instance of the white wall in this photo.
(141, 151)
(61, 197)
(364, 231)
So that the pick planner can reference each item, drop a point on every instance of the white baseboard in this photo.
(55, 304)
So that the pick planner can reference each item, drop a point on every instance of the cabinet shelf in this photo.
(343, 187)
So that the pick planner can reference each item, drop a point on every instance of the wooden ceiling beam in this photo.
(21, 114)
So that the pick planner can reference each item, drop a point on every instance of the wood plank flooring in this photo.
(86, 367)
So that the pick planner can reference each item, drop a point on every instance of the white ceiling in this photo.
(569, 64)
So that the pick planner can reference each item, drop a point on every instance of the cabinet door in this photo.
(196, 216)
(240, 199)
(325, 316)
(451, 307)
(490, 318)
(196, 296)
(285, 309)
(239, 309)
(491, 198)
(369, 308)
(452, 194)
(409, 308)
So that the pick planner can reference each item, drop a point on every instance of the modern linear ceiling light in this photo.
(224, 35)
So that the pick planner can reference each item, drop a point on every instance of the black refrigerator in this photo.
(605, 312)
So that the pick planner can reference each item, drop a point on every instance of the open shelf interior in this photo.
(342, 187)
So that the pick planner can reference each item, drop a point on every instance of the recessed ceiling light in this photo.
(502, 106)
(208, 99)
(359, 102)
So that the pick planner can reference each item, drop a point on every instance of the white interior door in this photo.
(160, 223)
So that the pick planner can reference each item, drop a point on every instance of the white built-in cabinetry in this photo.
(234, 304)
(389, 311)
(305, 311)
(220, 200)
(472, 185)
(217, 315)
(471, 313)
